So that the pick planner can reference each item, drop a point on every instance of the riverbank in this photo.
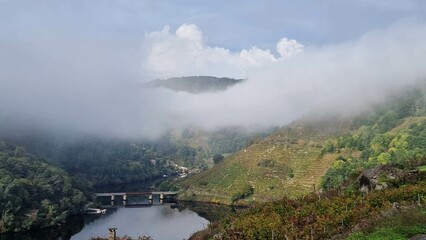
(246, 199)
(66, 230)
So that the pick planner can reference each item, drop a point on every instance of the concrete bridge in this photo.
(125, 195)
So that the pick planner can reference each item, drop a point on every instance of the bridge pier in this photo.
(161, 198)
(112, 200)
(163, 195)
(124, 200)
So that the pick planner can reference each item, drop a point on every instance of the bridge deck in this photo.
(134, 193)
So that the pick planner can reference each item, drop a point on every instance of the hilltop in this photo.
(194, 84)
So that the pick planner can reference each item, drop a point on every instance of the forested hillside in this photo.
(33, 193)
(394, 134)
(93, 161)
(112, 162)
(96, 161)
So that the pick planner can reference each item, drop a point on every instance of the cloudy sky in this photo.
(79, 64)
(234, 25)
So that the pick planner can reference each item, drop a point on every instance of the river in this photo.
(161, 222)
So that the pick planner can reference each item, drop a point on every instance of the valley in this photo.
(212, 120)
(308, 159)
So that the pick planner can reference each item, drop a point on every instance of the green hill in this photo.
(194, 84)
(309, 154)
(33, 193)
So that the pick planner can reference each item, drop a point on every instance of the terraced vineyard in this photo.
(287, 163)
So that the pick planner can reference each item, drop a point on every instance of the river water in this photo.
(161, 222)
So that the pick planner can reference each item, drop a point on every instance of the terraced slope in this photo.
(286, 163)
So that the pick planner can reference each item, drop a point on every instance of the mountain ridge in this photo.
(194, 84)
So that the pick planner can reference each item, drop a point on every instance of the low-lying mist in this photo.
(92, 85)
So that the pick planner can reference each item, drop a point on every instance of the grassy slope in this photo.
(296, 147)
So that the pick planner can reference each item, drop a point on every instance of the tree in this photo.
(217, 158)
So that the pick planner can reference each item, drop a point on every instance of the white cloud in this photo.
(94, 88)
(185, 53)
(287, 48)
(255, 57)
(190, 32)
(335, 78)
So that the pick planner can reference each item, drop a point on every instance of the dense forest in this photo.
(95, 161)
(112, 162)
(34, 193)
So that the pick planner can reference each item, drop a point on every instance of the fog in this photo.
(88, 84)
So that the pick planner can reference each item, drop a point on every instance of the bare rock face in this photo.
(368, 179)
(419, 237)
(388, 175)
(385, 176)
